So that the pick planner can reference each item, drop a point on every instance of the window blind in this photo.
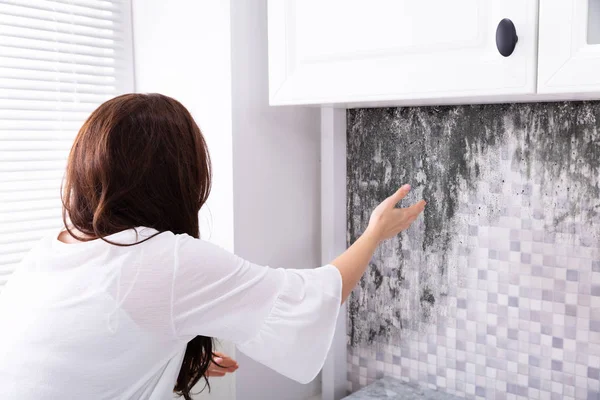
(59, 59)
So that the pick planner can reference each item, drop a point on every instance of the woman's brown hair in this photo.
(141, 160)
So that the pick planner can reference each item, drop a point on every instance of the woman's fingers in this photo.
(409, 212)
(406, 216)
(417, 208)
(399, 195)
(414, 210)
(221, 365)
(224, 363)
(215, 371)
(216, 368)
(387, 220)
(224, 360)
(223, 369)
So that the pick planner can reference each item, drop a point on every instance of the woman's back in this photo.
(100, 321)
(81, 315)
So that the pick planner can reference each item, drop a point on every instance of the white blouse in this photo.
(96, 321)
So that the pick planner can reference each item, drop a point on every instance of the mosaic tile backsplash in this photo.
(495, 292)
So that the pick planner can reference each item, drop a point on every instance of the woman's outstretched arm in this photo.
(273, 315)
(386, 221)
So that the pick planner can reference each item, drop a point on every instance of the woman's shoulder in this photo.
(153, 237)
(144, 235)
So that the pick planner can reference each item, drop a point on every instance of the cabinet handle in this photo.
(506, 37)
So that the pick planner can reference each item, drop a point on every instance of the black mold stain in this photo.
(427, 300)
(571, 145)
(353, 310)
(442, 151)
(427, 297)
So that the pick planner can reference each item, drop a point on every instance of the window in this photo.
(59, 59)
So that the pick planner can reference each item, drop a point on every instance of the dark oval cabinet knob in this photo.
(506, 37)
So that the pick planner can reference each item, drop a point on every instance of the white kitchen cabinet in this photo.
(398, 51)
(569, 47)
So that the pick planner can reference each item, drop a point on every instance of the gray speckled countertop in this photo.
(390, 388)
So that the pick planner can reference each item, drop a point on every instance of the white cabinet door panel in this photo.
(567, 62)
(334, 51)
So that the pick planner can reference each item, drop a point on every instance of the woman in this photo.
(124, 302)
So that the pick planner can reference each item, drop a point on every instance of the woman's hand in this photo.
(221, 365)
(387, 221)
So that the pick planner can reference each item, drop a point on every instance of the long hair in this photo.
(141, 160)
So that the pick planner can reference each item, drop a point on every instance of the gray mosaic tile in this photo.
(557, 342)
(557, 365)
(508, 285)
(572, 275)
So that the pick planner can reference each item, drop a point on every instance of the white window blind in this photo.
(59, 59)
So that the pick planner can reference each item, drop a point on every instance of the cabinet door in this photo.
(569, 50)
(334, 51)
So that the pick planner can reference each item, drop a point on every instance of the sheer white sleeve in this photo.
(282, 318)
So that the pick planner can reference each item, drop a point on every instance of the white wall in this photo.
(212, 56)
(182, 49)
(276, 181)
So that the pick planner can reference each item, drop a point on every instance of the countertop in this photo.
(390, 388)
